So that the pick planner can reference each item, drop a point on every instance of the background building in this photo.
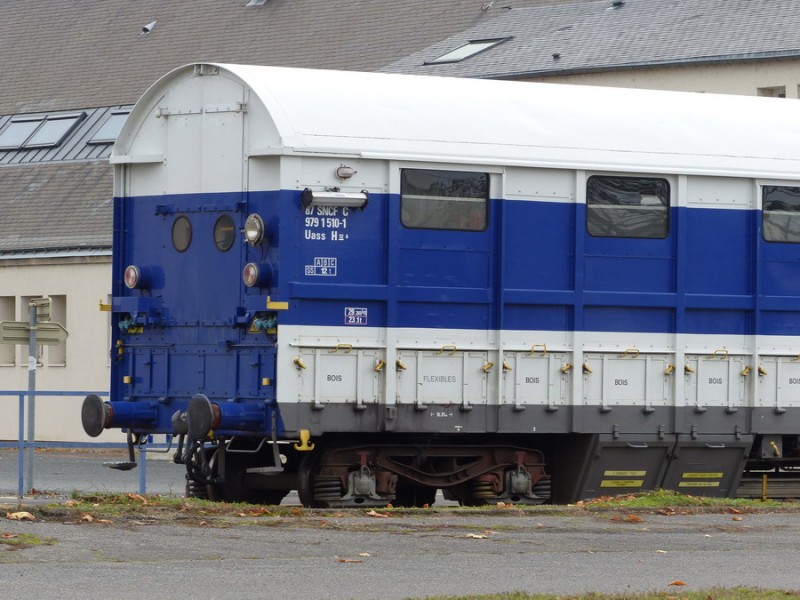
(65, 97)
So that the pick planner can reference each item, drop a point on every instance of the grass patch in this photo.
(712, 594)
(664, 499)
(18, 541)
(166, 509)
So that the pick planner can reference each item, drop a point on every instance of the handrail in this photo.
(23, 444)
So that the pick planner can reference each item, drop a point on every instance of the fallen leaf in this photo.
(20, 516)
(364, 554)
(104, 521)
(633, 519)
(373, 513)
(203, 523)
(296, 512)
(661, 551)
(71, 503)
(738, 518)
(734, 511)
(87, 518)
(426, 505)
(137, 497)
(348, 560)
(677, 582)
(9, 536)
(477, 536)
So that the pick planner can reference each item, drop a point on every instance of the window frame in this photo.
(42, 122)
(655, 181)
(765, 212)
(485, 44)
(95, 140)
(405, 195)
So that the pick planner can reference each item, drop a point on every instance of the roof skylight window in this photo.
(467, 50)
(38, 132)
(108, 133)
(17, 132)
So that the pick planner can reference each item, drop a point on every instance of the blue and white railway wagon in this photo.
(369, 287)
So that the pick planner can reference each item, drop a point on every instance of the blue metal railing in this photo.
(24, 445)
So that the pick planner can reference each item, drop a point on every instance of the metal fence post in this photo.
(31, 391)
(21, 446)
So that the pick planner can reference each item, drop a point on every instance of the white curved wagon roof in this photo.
(408, 117)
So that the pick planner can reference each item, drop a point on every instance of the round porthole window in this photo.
(181, 234)
(224, 233)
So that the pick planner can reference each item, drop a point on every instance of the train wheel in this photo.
(306, 475)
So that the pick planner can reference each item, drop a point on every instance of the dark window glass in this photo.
(780, 217)
(627, 207)
(181, 234)
(224, 233)
(456, 200)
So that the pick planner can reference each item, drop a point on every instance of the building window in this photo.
(109, 131)
(38, 132)
(467, 50)
(627, 207)
(772, 92)
(16, 132)
(7, 314)
(456, 200)
(780, 215)
(57, 354)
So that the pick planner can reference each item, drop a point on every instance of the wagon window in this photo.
(181, 234)
(627, 207)
(780, 215)
(224, 233)
(456, 200)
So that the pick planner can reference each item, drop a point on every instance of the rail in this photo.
(27, 446)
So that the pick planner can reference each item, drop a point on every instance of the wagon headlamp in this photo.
(254, 229)
(257, 275)
(136, 278)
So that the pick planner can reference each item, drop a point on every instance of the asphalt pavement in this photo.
(353, 554)
(60, 472)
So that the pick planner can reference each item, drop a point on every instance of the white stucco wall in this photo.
(732, 78)
(80, 283)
